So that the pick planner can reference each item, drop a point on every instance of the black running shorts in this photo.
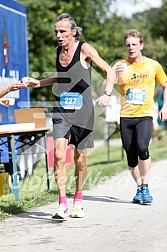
(79, 137)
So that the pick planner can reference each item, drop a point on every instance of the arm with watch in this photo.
(105, 98)
(107, 92)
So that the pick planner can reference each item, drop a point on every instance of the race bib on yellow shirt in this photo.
(135, 96)
(71, 100)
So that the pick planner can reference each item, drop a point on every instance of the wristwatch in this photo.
(108, 93)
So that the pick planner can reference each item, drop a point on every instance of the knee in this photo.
(132, 158)
(132, 161)
(59, 155)
(80, 159)
(144, 154)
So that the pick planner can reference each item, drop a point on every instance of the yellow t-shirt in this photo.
(137, 86)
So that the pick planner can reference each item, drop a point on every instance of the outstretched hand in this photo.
(16, 86)
(30, 82)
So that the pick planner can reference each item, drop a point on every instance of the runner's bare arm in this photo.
(163, 112)
(90, 54)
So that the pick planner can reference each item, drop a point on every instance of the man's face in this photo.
(63, 32)
(133, 47)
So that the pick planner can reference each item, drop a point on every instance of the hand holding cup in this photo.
(30, 82)
(121, 68)
(7, 102)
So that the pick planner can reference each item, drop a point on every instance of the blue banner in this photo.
(13, 55)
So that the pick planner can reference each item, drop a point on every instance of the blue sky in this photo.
(126, 7)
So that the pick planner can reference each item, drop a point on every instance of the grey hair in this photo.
(67, 16)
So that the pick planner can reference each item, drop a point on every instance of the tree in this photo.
(41, 38)
(150, 24)
(101, 28)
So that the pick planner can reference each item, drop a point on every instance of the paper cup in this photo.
(11, 101)
(25, 80)
(124, 65)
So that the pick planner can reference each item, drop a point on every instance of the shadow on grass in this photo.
(104, 162)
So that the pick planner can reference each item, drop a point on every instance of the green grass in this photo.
(33, 191)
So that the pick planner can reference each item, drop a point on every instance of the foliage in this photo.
(159, 32)
(150, 25)
(41, 38)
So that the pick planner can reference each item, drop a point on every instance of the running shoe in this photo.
(62, 212)
(77, 211)
(147, 198)
(138, 198)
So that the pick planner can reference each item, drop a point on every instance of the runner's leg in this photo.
(80, 168)
(80, 174)
(144, 134)
(60, 146)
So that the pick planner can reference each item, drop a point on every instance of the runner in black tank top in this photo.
(73, 116)
(74, 79)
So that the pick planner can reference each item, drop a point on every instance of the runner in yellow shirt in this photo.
(137, 76)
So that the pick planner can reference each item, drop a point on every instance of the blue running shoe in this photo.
(138, 198)
(147, 198)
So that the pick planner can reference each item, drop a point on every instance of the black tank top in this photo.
(73, 80)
